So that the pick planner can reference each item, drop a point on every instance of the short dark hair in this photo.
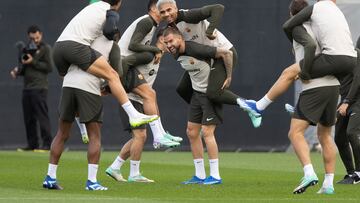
(112, 2)
(297, 5)
(172, 30)
(160, 32)
(33, 29)
(151, 4)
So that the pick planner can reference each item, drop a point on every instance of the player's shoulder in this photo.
(194, 46)
(145, 19)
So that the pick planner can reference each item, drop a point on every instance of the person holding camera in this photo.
(34, 65)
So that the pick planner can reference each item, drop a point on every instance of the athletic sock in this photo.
(118, 162)
(309, 170)
(52, 171)
(214, 168)
(156, 130)
(134, 168)
(199, 168)
(161, 127)
(92, 172)
(81, 126)
(263, 103)
(130, 110)
(328, 181)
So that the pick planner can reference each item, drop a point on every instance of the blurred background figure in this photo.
(34, 65)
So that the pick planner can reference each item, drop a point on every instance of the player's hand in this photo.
(343, 108)
(305, 77)
(28, 61)
(226, 84)
(211, 36)
(14, 72)
(158, 57)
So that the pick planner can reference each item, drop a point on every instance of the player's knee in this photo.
(207, 133)
(63, 134)
(289, 73)
(110, 75)
(113, 75)
(191, 133)
(140, 134)
(291, 134)
(149, 94)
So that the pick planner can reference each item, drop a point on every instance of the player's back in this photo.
(127, 35)
(331, 29)
(299, 55)
(196, 33)
(79, 79)
(87, 25)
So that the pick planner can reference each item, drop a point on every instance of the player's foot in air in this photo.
(94, 186)
(85, 138)
(290, 109)
(165, 142)
(142, 119)
(256, 121)
(139, 179)
(212, 181)
(194, 180)
(51, 184)
(326, 191)
(115, 174)
(306, 182)
(250, 107)
(173, 138)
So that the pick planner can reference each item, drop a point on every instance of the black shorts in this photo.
(88, 105)
(203, 111)
(133, 79)
(66, 53)
(336, 65)
(318, 105)
(125, 118)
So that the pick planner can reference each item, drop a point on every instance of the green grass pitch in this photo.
(248, 177)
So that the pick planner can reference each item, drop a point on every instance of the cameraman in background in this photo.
(34, 65)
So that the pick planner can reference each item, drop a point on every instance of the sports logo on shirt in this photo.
(194, 37)
(152, 72)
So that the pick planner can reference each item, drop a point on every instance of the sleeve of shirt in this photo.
(355, 85)
(199, 51)
(211, 13)
(143, 27)
(301, 36)
(43, 61)
(297, 20)
(115, 59)
(111, 24)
